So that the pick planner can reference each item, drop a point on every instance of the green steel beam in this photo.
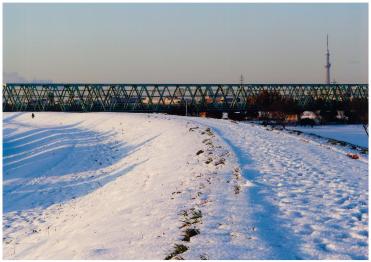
(167, 97)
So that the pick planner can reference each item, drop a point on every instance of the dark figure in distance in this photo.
(32, 115)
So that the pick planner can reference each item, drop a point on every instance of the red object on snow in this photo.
(353, 156)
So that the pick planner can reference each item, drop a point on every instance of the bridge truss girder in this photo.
(166, 97)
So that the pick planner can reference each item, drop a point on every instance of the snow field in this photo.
(130, 186)
(354, 134)
(310, 201)
(117, 188)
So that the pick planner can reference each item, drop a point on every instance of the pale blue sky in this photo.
(185, 43)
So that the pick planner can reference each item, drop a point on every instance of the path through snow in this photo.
(128, 186)
(308, 201)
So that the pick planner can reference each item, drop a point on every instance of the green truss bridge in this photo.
(173, 98)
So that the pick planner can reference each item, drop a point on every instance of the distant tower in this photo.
(328, 65)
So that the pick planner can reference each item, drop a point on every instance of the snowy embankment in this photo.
(354, 134)
(307, 200)
(138, 186)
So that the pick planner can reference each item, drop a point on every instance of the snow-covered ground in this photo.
(354, 134)
(130, 186)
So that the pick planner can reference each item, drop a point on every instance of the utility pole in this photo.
(328, 65)
(186, 108)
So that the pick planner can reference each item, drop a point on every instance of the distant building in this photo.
(309, 116)
(292, 118)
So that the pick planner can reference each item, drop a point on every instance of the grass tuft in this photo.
(209, 160)
(199, 152)
(178, 249)
(237, 189)
(221, 161)
(196, 214)
(208, 131)
(190, 232)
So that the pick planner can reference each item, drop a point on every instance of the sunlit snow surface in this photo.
(114, 186)
(354, 134)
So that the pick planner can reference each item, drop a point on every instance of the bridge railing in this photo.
(170, 97)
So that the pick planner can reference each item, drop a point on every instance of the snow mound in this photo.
(151, 186)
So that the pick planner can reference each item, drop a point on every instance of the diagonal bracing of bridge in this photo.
(167, 97)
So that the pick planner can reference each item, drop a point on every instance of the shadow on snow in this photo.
(283, 243)
(45, 166)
